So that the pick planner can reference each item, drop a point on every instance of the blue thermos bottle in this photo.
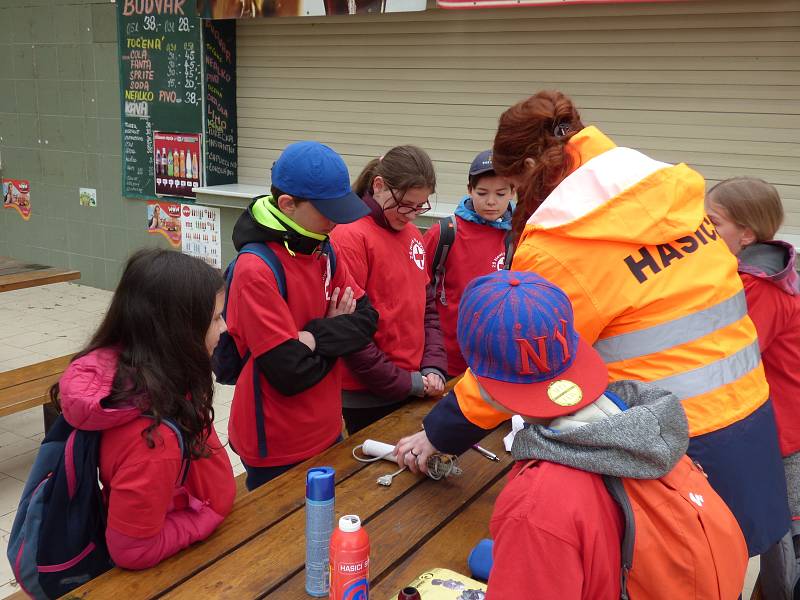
(319, 527)
(480, 560)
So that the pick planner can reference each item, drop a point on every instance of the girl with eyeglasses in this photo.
(385, 255)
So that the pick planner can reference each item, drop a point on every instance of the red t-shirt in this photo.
(776, 315)
(477, 250)
(139, 482)
(259, 319)
(390, 267)
(557, 534)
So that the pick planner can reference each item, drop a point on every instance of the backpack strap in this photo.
(526, 466)
(185, 456)
(267, 254)
(447, 236)
(617, 491)
(509, 248)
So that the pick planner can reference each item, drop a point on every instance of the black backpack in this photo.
(447, 237)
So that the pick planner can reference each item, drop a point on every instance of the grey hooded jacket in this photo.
(643, 442)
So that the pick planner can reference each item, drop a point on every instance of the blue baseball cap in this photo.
(517, 333)
(481, 164)
(315, 172)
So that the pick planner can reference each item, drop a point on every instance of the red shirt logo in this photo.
(417, 254)
(499, 261)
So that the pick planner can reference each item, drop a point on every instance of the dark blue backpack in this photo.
(226, 362)
(58, 540)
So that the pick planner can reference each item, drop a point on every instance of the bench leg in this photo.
(50, 414)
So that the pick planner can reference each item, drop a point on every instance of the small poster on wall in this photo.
(200, 226)
(17, 195)
(164, 218)
(177, 165)
(87, 196)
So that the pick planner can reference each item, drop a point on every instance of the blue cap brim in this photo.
(346, 209)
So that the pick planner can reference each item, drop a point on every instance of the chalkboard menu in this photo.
(219, 46)
(160, 50)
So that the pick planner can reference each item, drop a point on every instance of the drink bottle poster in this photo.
(176, 164)
(17, 195)
(164, 218)
(200, 227)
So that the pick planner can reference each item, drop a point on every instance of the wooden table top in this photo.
(16, 275)
(259, 551)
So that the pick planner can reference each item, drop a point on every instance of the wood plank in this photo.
(26, 395)
(253, 513)
(417, 508)
(448, 549)
(28, 279)
(35, 371)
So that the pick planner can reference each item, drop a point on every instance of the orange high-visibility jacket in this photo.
(653, 286)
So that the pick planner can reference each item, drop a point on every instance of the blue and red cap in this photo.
(315, 172)
(517, 334)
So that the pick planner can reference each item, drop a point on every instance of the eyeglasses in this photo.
(407, 209)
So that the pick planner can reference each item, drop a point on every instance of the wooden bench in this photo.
(29, 386)
(17, 275)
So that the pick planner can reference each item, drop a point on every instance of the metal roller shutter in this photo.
(715, 84)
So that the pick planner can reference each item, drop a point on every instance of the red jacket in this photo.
(477, 250)
(773, 303)
(149, 517)
(557, 534)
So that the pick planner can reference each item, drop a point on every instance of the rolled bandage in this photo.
(378, 449)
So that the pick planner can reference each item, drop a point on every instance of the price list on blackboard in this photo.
(160, 49)
(219, 40)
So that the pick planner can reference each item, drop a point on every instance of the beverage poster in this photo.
(17, 195)
(164, 218)
(200, 226)
(177, 166)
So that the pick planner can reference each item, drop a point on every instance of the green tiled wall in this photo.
(60, 129)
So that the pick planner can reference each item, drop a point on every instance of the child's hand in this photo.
(344, 306)
(307, 338)
(433, 384)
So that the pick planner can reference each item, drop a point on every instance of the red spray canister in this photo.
(349, 556)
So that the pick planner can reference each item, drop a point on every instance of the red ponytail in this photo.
(537, 128)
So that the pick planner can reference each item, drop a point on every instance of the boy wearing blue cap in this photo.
(558, 531)
(294, 335)
(469, 243)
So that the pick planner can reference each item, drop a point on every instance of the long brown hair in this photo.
(750, 202)
(402, 168)
(158, 319)
(537, 128)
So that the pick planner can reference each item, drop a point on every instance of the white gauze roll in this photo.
(373, 448)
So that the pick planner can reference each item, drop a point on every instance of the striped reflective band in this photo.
(712, 376)
(673, 333)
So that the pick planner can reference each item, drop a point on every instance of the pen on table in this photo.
(485, 452)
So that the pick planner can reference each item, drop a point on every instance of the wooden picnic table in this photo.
(16, 275)
(415, 525)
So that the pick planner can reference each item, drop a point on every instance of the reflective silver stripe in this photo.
(672, 333)
(710, 377)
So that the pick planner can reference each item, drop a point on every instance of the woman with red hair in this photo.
(654, 290)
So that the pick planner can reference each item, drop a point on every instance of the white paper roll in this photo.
(373, 448)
